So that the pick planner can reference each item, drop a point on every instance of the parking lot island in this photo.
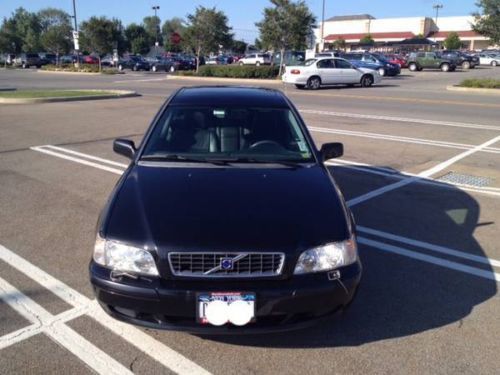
(55, 95)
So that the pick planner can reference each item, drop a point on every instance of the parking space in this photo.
(431, 259)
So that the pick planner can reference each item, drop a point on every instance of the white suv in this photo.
(256, 59)
(315, 73)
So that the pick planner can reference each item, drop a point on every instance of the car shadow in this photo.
(356, 87)
(400, 296)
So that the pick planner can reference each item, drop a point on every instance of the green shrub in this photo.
(236, 71)
(485, 83)
(84, 68)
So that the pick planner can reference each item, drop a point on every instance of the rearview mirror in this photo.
(124, 147)
(332, 150)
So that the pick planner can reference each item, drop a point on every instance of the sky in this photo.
(242, 14)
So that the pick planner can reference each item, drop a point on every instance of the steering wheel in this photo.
(265, 142)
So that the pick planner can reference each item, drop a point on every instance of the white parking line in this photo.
(427, 173)
(87, 156)
(155, 349)
(431, 259)
(88, 353)
(393, 138)
(141, 80)
(402, 119)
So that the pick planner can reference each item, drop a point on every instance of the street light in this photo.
(156, 8)
(437, 7)
(75, 36)
(323, 27)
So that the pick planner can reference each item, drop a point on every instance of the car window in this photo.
(231, 132)
(326, 64)
(421, 54)
(342, 64)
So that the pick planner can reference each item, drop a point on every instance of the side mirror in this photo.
(124, 147)
(332, 150)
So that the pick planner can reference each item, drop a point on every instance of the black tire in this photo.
(172, 69)
(257, 63)
(314, 83)
(366, 80)
(413, 67)
(466, 65)
(420, 69)
(241, 63)
(154, 68)
(494, 63)
(120, 67)
(381, 71)
(445, 67)
(134, 68)
(300, 87)
(25, 66)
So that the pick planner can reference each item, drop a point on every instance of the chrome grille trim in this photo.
(207, 264)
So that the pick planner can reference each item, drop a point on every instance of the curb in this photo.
(474, 90)
(79, 73)
(218, 79)
(115, 94)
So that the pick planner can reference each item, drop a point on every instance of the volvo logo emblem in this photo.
(226, 264)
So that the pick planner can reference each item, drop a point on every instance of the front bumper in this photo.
(281, 305)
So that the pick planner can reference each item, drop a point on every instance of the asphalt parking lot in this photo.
(421, 172)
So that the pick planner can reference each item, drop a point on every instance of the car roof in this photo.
(229, 96)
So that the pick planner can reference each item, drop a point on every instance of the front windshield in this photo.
(228, 133)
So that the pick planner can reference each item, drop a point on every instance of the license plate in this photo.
(219, 308)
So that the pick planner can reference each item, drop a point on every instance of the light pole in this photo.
(75, 36)
(155, 8)
(323, 27)
(437, 7)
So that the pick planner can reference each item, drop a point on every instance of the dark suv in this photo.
(25, 60)
(460, 59)
(418, 61)
(227, 220)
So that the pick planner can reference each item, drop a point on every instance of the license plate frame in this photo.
(203, 298)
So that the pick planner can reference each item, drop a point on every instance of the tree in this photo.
(367, 40)
(239, 47)
(286, 25)
(20, 32)
(340, 44)
(56, 30)
(101, 35)
(10, 41)
(488, 24)
(207, 32)
(137, 39)
(152, 26)
(452, 41)
(171, 26)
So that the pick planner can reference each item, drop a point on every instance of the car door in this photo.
(327, 71)
(347, 72)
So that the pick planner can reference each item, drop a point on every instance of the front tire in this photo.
(381, 71)
(466, 65)
(314, 83)
(494, 63)
(413, 67)
(120, 67)
(366, 81)
(154, 68)
(172, 69)
(445, 67)
(257, 63)
(241, 63)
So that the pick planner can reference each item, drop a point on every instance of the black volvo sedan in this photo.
(226, 220)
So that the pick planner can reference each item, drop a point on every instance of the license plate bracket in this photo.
(204, 299)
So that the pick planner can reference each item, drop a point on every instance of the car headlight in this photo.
(327, 257)
(121, 257)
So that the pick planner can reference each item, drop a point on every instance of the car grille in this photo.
(226, 264)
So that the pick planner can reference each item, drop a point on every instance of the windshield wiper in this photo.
(287, 163)
(181, 158)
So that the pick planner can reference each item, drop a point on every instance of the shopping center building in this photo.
(392, 33)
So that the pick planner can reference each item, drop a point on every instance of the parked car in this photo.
(8, 58)
(328, 54)
(67, 59)
(162, 64)
(385, 68)
(396, 59)
(107, 60)
(418, 61)
(219, 60)
(89, 59)
(489, 59)
(255, 59)
(290, 58)
(315, 73)
(134, 63)
(210, 229)
(48, 58)
(185, 63)
(460, 59)
(25, 60)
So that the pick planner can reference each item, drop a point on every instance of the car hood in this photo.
(226, 209)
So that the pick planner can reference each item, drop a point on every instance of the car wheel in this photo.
(241, 63)
(466, 65)
(257, 63)
(24, 66)
(172, 69)
(445, 67)
(381, 71)
(413, 67)
(120, 67)
(366, 81)
(300, 87)
(134, 68)
(313, 83)
(154, 68)
(494, 63)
